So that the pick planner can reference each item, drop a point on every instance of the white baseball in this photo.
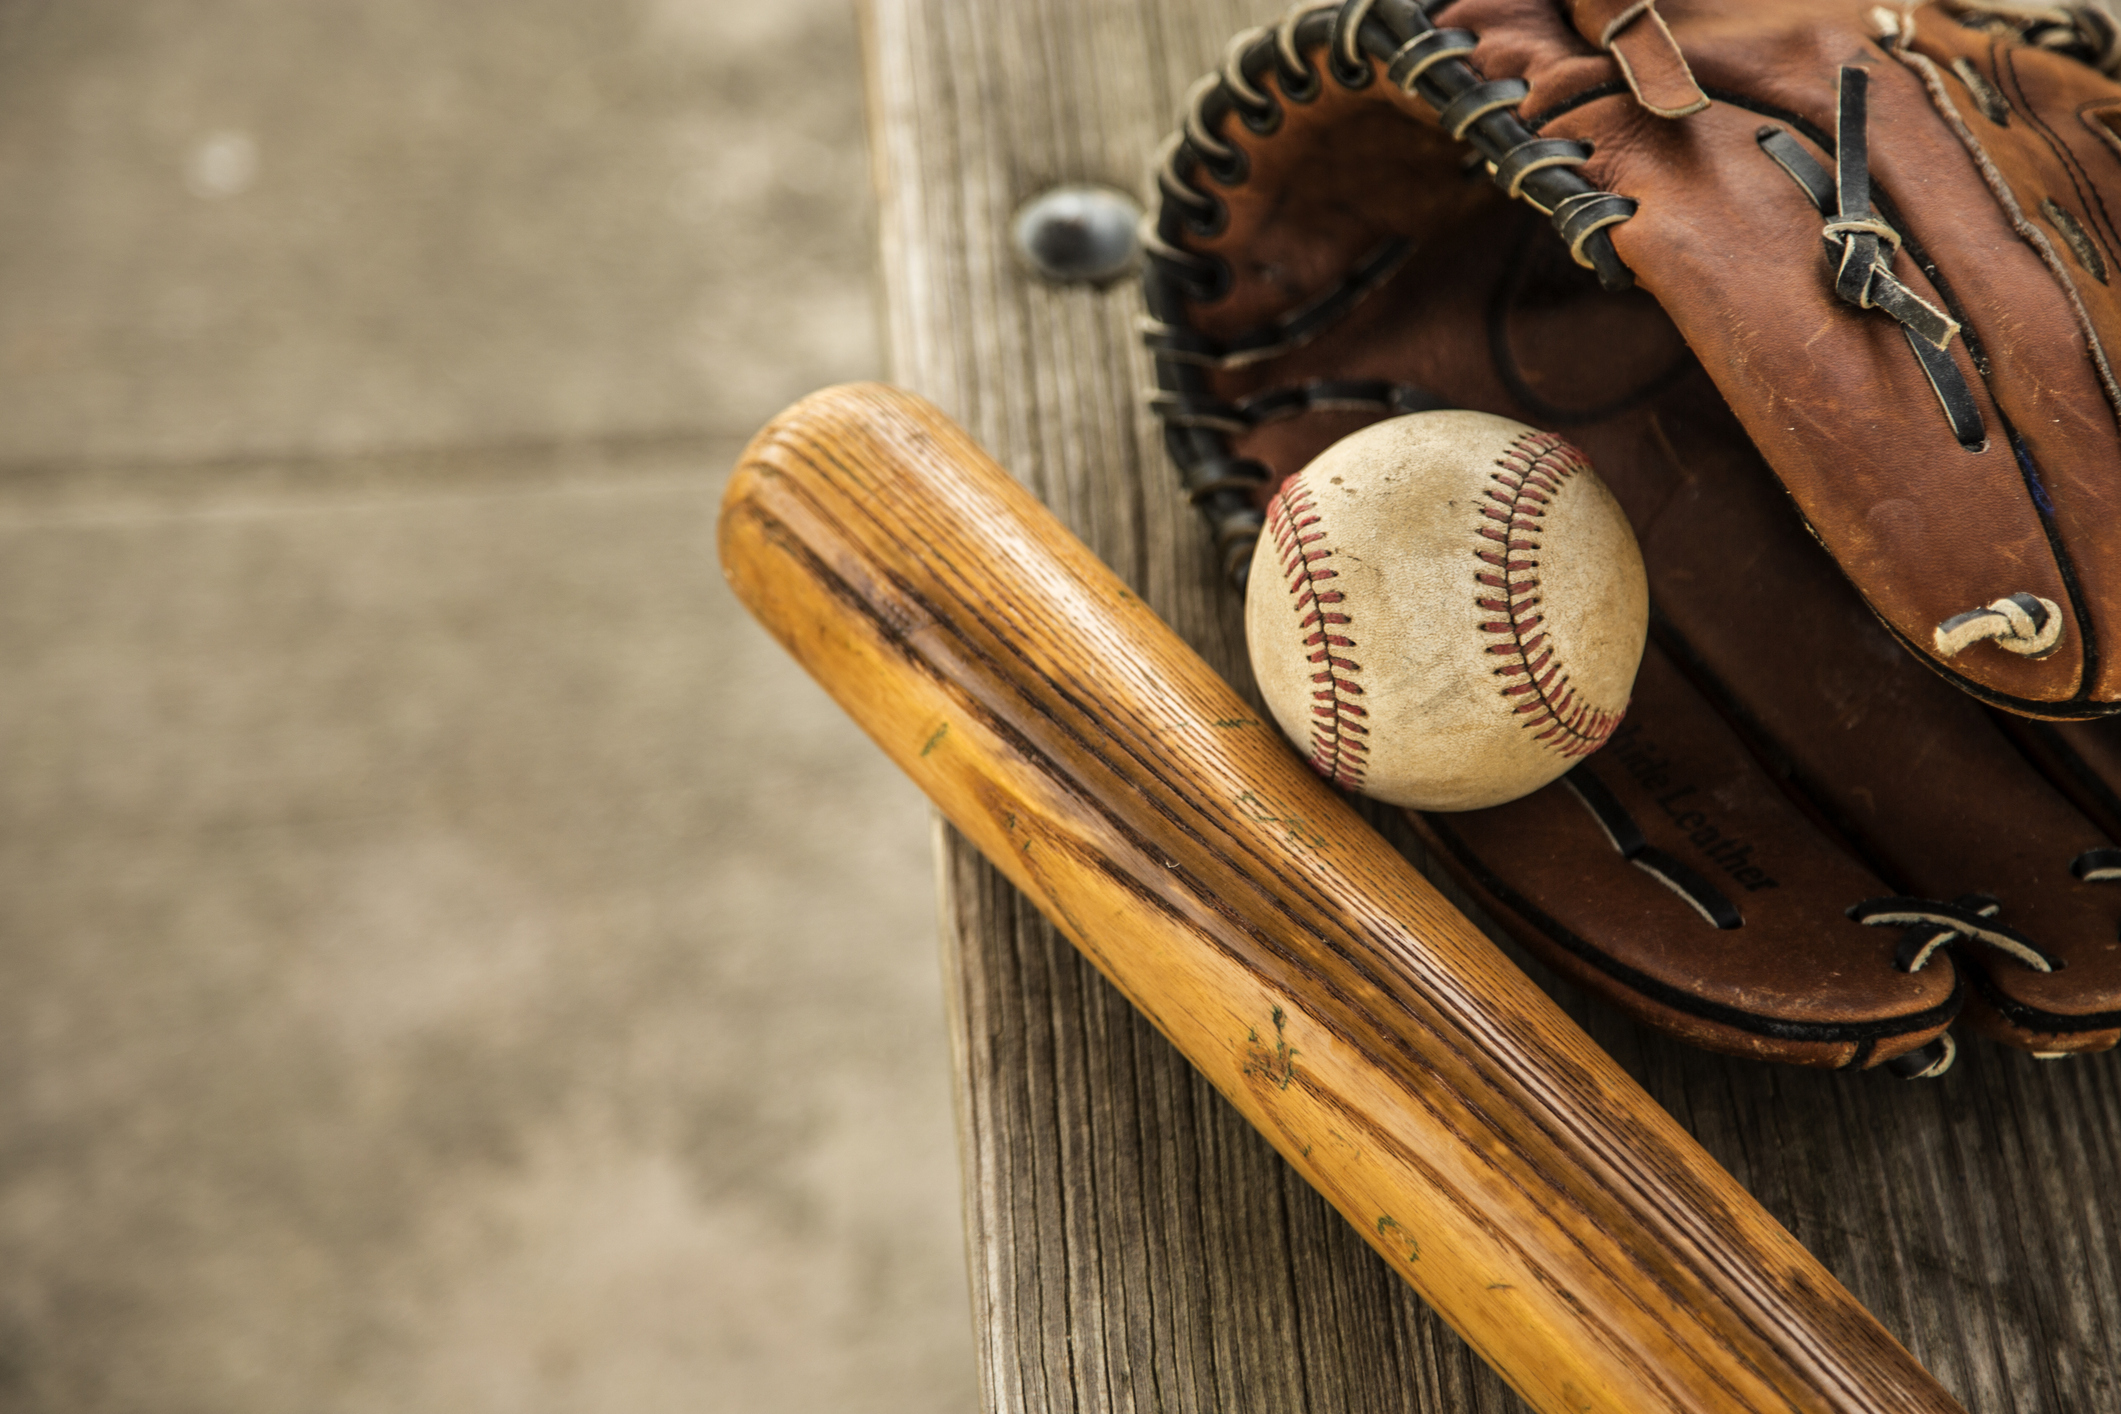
(1446, 610)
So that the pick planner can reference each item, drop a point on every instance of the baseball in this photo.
(1446, 610)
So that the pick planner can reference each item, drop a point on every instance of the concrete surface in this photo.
(449, 959)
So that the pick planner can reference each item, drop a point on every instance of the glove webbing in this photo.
(1862, 245)
(1351, 38)
(1177, 344)
(1376, 395)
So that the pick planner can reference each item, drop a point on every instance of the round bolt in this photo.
(1078, 234)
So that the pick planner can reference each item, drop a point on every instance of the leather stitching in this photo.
(1527, 478)
(1338, 747)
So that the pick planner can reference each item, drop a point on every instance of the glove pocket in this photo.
(1670, 876)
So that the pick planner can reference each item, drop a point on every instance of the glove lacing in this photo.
(1931, 923)
(1861, 244)
(1357, 43)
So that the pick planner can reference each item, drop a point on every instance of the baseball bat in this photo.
(1578, 1239)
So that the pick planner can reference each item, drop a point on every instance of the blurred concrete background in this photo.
(449, 959)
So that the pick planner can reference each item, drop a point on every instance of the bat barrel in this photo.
(1525, 1185)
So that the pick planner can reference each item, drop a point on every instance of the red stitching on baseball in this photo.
(1337, 730)
(1529, 475)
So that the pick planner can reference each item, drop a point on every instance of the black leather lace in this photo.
(1861, 245)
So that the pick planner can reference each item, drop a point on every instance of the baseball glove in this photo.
(1872, 263)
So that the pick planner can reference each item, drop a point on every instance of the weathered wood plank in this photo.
(1133, 1245)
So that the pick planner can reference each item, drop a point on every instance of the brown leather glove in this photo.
(1803, 843)
(1884, 232)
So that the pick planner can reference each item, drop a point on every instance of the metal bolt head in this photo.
(1078, 235)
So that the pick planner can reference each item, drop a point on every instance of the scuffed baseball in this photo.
(1446, 610)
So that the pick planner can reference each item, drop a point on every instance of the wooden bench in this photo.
(1134, 1246)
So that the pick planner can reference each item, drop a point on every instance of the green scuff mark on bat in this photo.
(936, 740)
(1236, 722)
(1260, 811)
(1389, 1224)
(1277, 1065)
(1026, 832)
(1500, 1286)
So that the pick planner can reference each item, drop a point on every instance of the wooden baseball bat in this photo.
(1531, 1191)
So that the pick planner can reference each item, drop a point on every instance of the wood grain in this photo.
(1496, 1158)
(1134, 1246)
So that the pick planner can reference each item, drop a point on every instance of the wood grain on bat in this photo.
(1535, 1196)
